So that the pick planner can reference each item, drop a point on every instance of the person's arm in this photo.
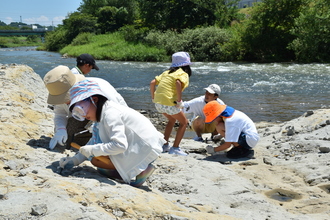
(60, 122)
(152, 88)
(212, 150)
(60, 116)
(223, 146)
(178, 85)
(114, 128)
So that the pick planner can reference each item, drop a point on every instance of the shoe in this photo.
(166, 148)
(142, 177)
(238, 152)
(200, 139)
(177, 151)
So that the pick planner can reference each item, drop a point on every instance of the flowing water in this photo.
(265, 92)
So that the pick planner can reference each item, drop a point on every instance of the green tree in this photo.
(78, 23)
(312, 31)
(2, 23)
(175, 14)
(55, 40)
(225, 11)
(91, 6)
(107, 19)
(111, 18)
(267, 34)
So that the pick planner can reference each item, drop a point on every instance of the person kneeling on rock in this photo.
(235, 126)
(127, 142)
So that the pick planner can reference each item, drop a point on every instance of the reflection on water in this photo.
(276, 92)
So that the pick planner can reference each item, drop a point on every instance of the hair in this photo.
(184, 68)
(99, 105)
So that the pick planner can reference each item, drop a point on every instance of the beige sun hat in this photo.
(59, 81)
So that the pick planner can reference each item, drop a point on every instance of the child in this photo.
(196, 105)
(235, 126)
(58, 81)
(127, 139)
(168, 98)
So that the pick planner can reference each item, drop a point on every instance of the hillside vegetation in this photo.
(143, 30)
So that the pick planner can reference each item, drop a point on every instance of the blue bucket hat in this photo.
(180, 59)
(83, 90)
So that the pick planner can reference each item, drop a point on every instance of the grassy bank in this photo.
(114, 47)
(20, 41)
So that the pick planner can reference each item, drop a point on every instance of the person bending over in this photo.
(236, 127)
(168, 98)
(58, 81)
(127, 141)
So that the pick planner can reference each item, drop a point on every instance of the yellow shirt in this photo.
(165, 93)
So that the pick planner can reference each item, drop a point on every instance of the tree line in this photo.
(211, 30)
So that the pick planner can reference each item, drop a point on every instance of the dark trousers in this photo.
(73, 127)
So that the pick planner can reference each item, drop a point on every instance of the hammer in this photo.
(103, 159)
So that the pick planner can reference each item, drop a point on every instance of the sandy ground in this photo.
(287, 178)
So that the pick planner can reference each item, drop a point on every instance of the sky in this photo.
(43, 12)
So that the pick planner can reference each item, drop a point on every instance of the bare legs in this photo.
(102, 164)
(198, 126)
(170, 124)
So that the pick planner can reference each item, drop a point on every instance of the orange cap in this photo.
(212, 110)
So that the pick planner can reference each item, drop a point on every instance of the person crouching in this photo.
(235, 126)
(127, 140)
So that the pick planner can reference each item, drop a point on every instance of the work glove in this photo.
(87, 151)
(210, 149)
(60, 138)
(179, 104)
(70, 162)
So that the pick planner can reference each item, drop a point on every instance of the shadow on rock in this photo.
(84, 172)
(221, 158)
(43, 142)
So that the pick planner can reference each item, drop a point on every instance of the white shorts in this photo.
(170, 110)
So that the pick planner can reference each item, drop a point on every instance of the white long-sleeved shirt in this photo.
(128, 138)
(196, 105)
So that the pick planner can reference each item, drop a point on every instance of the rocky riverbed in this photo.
(287, 178)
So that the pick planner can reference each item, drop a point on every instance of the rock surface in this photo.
(288, 177)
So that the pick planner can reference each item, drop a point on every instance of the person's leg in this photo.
(241, 148)
(198, 126)
(182, 128)
(73, 127)
(106, 167)
(105, 163)
(142, 177)
(169, 126)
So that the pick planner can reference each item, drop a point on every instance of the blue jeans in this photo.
(242, 141)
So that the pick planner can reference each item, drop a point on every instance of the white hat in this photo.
(180, 59)
(213, 89)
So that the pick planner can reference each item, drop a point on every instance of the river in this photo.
(266, 92)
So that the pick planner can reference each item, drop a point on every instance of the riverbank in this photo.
(22, 41)
(287, 178)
